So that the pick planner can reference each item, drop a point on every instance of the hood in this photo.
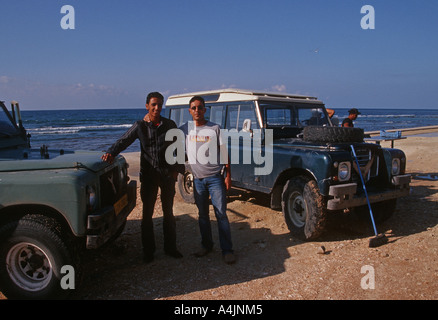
(33, 159)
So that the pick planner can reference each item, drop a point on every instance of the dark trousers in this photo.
(148, 192)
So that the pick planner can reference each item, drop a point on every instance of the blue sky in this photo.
(121, 50)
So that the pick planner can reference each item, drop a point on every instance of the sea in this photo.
(98, 129)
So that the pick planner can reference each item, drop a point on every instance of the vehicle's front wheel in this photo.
(303, 208)
(31, 257)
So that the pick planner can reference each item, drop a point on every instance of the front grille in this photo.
(111, 187)
(364, 157)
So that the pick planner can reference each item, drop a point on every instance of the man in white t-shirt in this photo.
(207, 156)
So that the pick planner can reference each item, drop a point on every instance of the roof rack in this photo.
(236, 94)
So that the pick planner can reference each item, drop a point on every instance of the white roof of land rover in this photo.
(229, 95)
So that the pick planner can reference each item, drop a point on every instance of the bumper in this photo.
(104, 224)
(345, 195)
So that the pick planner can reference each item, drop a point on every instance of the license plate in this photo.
(120, 204)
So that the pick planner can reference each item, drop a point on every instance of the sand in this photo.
(271, 264)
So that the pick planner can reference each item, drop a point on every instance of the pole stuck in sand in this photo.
(378, 239)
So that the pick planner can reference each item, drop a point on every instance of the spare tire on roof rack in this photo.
(332, 134)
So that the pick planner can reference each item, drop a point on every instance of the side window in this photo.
(248, 112)
(216, 114)
(180, 115)
(232, 117)
(236, 115)
(207, 114)
(311, 117)
(185, 116)
(279, 117)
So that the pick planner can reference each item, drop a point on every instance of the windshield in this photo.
(286, 115)
(7, 126)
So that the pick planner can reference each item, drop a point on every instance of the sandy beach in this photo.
(273, 266)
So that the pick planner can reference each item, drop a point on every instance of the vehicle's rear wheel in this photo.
(303, 208)
(31, 257)
(185, 186)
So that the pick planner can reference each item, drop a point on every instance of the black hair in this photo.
(154, 95)
(197, 98)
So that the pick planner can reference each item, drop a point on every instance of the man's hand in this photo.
(228, 182)
(228, 176)
(108, 157)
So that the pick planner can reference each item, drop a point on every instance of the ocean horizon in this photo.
(98, 129)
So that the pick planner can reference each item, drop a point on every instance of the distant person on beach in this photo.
(155, 173)
(352, 115)
(333, 119)
(202, 141)
(330, 112)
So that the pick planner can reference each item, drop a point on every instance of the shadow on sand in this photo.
(118, 272)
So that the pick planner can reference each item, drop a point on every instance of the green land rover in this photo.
(53, 204)
(287, 147)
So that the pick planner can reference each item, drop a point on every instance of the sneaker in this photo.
(229, 258)
(203, 252)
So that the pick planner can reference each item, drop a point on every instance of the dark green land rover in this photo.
(286, 146)
(53, 204)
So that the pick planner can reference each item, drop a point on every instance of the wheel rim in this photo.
(297, 209)
(188, 183)
(29, 267)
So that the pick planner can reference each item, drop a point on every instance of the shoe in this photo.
(173, 253)
(202, 253)
(229, 258)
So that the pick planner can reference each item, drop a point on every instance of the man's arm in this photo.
(124, 142)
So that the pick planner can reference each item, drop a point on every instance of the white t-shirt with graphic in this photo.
(204, 147)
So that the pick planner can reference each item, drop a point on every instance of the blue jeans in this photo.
(214, 187)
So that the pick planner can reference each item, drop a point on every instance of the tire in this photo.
(332, 134)
(31, 257)
(303, 208)
(185, 186)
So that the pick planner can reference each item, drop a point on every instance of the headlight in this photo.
(91, 198)
(395, 167)
(124, 175)
(344, 171)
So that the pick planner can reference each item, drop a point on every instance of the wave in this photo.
(76, 129)
(388, 116)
